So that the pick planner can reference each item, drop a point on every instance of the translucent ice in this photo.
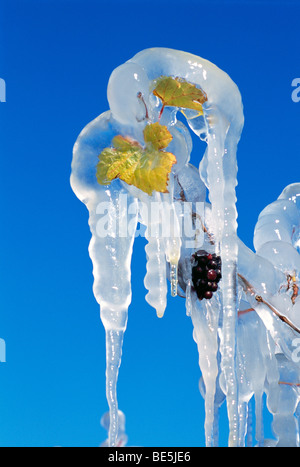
(110, 252)
(246, 324)
(223, 117)
(121, 437)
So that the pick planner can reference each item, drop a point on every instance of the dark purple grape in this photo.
(200, 270)
(213, 264)
(208, 295)
(213, 286)
(202, 283)
(206, 273)
(219, 273)
(202, 261)
(211, 275)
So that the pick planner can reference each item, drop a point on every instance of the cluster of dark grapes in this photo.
(206, 273)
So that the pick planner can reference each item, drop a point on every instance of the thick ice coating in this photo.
(131, 104)
(223, 116)
(234, 296)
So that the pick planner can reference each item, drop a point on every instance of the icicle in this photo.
(171, 226)
(259, 433)
(110, 248)
(114, 342)
(219, 399)
(249, 426)
(268, 350)
(243, 417)
(285, 424)
(156, 277)
(174, 278)
(222, 182)
(188, 300)
(206, 336)
(251, 369)
(159, 214)
(122, 437)
(155, 280)
(111, 256)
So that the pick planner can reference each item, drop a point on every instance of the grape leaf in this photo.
(147, 168)
(158, 135)
(177, 92)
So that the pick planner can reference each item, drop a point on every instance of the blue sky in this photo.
(56, 58)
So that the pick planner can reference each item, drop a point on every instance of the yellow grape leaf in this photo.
(177, 92)
(124, 144)
(146, 168)
(120, 159)
(158, 135)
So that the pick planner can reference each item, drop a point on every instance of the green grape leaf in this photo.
(147, 168)
(177, 92)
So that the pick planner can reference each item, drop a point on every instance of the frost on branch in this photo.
(130, 166)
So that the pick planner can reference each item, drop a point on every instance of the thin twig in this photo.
(205, 230)
(161, 112)
(289, 384)
(140, 96)
(259, 299)
(248, 288)
(243, 312)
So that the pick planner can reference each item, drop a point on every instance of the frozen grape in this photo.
(206, 273)
(208, 295)
(211, 275)
(213, 264)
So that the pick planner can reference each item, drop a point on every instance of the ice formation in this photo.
(247, 329)
(121, 439)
